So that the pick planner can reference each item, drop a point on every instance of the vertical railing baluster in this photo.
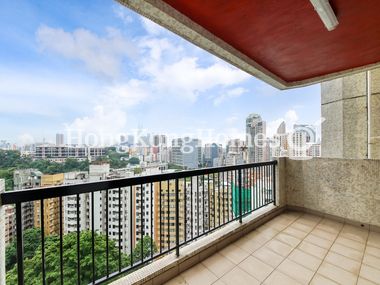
(142, 222)
(160, 185)
(20, 245)
(168, 222)
(151, 220)
(78, 243)
(209, 202)
(107, 239)
(131, 204)
(93, 239)
(191, 203)
(61, 240)
(274, 184)
(177, 216)
(185, 207)
(240, 198)
(198, 205)
(119, 232)
(203, 201)
(224, 199)
(42, 219)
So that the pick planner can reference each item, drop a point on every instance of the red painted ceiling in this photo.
(288, 38)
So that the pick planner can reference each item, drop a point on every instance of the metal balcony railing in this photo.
(172, 210)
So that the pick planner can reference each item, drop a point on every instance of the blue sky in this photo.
(97, 67)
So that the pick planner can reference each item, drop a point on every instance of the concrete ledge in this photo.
(168, 267)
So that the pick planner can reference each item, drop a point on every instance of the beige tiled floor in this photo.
(293, 248)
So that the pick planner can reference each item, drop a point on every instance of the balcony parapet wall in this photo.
(347, 189)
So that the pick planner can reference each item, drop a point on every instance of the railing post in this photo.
(274, 183)
(176, 215)
(2, 236)
(240, 198)
(20, 245)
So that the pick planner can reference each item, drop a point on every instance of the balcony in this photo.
(283, 222)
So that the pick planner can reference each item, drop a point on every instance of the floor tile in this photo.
(279, 247)
(309, 261)
(347, 252)
(256, 268)
(316, 240)
(269, 257)
(321, 280)
(288, 239)
(218, 264)
(370, 273)
(324, 234)
(251, 244)
(199, 274)
(295, 232)
(267, 231)
(218, 282)
(343, 262)
(351, 243)
(374, 239)
(296, 271)
(354, 233)
(313, 249)
(234, 253)
(372, 261)
(238, 276)
(362, 281)
(277, 278)
(302, 227)
(337, 274)
(372, 251)
(330, 226)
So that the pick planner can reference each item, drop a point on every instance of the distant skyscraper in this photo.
(281, 128)
(309, 130)
(59, 139)
(211, 152)
(185, 152)
(255, 129)
(280, 141)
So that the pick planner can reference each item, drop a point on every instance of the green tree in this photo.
(32, 240)
(33, 266)
(134, 160)
(147, 245)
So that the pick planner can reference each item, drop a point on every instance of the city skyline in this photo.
(146, 77)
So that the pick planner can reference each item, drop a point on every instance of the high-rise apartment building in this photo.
(59, 139)
(185, 152)
(211, 152)
(280, 142)
(62, 152)
(27, 179)
(50, 213)
(255, 138)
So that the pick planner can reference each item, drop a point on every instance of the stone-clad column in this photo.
(344, 108)
(2, 237)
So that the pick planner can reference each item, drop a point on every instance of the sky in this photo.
(95, 68)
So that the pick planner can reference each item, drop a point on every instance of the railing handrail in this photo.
(21, 196)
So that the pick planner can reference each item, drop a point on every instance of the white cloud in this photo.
(39, 92)
(290, 118)
(123, 14)
(102, 55)
(231, 120)
(109, 116)
(230, 94)
(151, 27)
(187, 79)
(99, 128)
